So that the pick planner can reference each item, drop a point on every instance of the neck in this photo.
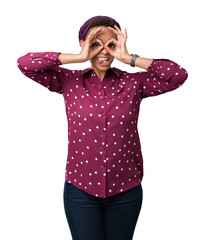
(100, 74)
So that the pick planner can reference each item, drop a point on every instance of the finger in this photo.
(99, 49)
(125, 32)
(96, 51)
(114, 41)
(97, 40)
(114, 30)
(92, 34)
(98, 45)
(110, 51)
(117, 32)
(97, 31)
(120, 32)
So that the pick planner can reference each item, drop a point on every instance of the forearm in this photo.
(140, 62)
(143, 62)
(66, 58)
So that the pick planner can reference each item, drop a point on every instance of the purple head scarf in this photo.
(85, 27)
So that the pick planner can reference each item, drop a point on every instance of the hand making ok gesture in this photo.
(120, 50)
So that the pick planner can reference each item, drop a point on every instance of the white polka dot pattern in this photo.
(104, 151)
(163, 75)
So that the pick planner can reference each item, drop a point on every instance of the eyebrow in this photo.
(101, 39)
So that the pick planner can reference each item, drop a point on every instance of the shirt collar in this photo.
(117, 71)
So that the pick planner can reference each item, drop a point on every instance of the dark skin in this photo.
(100, 43)
(104, 42)
(111, 43)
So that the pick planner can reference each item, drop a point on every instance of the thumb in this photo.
(110, 51)
(96, 51)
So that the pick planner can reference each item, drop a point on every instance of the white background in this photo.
(34, 125)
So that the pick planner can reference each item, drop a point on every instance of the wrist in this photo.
(127, 59)
(80, 58)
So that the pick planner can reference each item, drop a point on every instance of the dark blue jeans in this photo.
(94, 218)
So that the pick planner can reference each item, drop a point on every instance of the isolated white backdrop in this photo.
(34, 125)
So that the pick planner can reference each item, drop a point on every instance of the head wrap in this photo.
(85, 27)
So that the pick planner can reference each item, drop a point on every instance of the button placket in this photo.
(104, 136)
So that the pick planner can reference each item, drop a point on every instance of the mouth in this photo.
(103, 61)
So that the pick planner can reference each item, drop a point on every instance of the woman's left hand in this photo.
(117, 48)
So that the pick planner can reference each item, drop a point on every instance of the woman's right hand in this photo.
(91, 46)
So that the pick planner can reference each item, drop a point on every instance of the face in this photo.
(102, 61)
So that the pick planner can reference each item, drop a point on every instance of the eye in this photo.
(112, 45)
(96, 44)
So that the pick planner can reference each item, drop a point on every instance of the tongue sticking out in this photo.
(101, 61)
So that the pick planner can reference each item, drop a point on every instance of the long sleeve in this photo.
(163, 75)
(44, 71)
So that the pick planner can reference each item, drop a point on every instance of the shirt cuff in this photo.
(50, 56)
(163, 68)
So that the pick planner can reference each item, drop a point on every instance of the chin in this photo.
(104, 68)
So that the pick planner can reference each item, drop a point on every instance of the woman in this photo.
(102, 191)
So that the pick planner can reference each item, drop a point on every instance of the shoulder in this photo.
(70, 73)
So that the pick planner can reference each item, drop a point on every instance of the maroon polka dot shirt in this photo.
(104, 152)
